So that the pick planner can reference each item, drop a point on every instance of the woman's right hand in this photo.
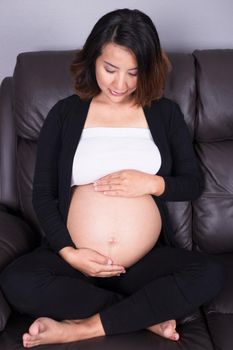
(90, 262)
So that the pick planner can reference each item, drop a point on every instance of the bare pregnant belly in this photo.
(124, 229)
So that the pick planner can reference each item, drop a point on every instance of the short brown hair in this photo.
(134, 30)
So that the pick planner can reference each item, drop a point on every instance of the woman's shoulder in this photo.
(166, 110)
(165, 103)
(65, 107)
(67, 102)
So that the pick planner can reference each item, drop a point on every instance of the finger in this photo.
(105, 261)
(107, 183)
(109, 274)
(116, 193)
(101, 259)
(113, 190)
(115, 174)
(108, 268)
(110, 177)
(107, 187)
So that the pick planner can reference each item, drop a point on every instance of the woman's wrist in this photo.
(158, 185)
(67, 253)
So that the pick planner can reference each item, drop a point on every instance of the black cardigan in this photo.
(57, 144)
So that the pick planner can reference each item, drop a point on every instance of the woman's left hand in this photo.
(127, 183)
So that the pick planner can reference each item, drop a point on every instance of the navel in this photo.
(112, 239)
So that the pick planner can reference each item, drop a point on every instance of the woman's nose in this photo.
(120, 83)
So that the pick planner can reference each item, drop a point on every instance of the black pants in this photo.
(168, 283)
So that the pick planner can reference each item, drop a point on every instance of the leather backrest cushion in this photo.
(213, 211)
(181, 85)
(42, 78)
(215, 92)
(181, 88)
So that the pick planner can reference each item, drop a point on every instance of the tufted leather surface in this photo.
(213, 211)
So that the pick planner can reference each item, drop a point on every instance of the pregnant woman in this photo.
(109, 157)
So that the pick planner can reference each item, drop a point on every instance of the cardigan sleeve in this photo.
(184, 183)
(45, 183)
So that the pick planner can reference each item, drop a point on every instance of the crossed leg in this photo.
(48, 331)
(166, 284)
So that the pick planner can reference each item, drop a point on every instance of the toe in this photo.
(26, 337)
(175, 336)
(30, 340)
(30, 337)
(30, 344)
(36, 327)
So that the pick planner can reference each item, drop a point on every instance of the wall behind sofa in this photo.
(183, 25)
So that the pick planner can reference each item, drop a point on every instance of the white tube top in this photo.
(104, 150)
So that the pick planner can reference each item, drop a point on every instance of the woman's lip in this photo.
(115, 93)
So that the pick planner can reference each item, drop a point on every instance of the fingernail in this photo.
(109, 262)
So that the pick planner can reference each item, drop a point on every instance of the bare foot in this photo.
(48, 331)
(166, 329)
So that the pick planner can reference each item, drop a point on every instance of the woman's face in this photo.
(116, 73)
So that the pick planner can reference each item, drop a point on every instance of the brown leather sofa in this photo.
(202, 84)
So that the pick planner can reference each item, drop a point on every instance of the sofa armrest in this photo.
(5, 312)
(223, 302)
(219, 312)
(220, 328)
(16, 237)
(8, 189)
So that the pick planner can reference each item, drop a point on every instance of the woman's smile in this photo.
(116, 93)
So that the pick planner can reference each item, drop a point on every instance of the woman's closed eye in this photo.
(109, 70)
(113, 71)
(133, 74)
